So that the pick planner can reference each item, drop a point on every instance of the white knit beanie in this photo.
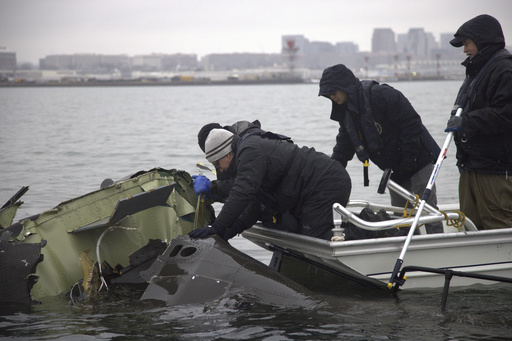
(218, 144)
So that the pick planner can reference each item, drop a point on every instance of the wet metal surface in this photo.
(200, 270)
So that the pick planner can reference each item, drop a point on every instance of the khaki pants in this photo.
(486, 199)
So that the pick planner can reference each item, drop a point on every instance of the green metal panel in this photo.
(61, 267)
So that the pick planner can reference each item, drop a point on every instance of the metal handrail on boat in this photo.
(400, 191)
(433, 214)
(375, 207)
(348, 216)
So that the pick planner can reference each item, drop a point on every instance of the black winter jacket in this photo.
(288, 173)
(382, 120)
(220, 188)
(484, 143)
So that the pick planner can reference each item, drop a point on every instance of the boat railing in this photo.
(429, 215)
(377, 207)
(347, 216)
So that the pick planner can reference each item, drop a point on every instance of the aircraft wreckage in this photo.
(129, 232)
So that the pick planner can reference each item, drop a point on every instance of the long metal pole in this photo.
(442, 155)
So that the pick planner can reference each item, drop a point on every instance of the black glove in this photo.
(407, 165)
(206, 231)
(454, 124)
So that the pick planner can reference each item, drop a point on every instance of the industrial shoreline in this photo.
(198, 82)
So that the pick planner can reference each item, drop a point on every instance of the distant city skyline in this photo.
(35, 29)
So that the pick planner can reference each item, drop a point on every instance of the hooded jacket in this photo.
(484, 143)
(377, 122)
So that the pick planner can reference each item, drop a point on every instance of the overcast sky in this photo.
(37, 28)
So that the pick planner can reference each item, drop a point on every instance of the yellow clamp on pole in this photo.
(390, 285)
(366, 164)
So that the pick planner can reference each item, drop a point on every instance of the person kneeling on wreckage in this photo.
(303, 183)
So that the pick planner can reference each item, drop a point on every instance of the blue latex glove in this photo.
(204, 232)
(201, 184)
(454, 124)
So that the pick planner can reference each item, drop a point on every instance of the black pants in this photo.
(315, 214)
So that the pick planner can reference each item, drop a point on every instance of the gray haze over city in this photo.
(35, 29)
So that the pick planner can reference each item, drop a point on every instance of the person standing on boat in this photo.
(378, 123)
(303, 182)
(483, 132)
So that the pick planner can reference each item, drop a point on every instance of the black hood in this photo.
(203, 133)
(339, 77)
(483, 30)
(237, 128)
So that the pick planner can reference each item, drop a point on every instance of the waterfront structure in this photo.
(392, 55)
(83, 61)
(230, 61)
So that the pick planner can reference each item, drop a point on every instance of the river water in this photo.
(62, 142)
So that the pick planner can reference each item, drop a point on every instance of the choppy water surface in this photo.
(63, 142)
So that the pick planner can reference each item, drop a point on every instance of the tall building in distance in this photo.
(7, 59)
(419, 43)
(347, 48)
(383, 40)
(299, 52)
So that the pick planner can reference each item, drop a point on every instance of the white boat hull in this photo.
(486, 252)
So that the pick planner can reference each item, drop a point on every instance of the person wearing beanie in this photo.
(483, 132)
(378, 124)
(303, 183)
(218, 146)
(218, 190)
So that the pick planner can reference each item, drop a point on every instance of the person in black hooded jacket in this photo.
(378, 123)
(304, 183)
(483, 132)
